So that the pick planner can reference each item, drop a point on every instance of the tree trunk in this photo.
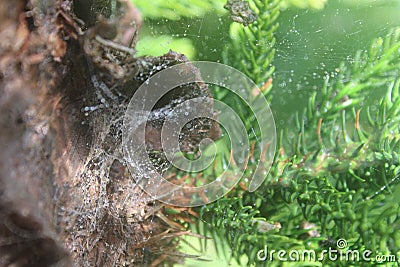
(66, 197)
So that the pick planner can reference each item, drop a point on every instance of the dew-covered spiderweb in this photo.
(311, 43)
(313, 38)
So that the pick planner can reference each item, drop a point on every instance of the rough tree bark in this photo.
(66, 197)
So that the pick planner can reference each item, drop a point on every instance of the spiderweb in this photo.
(310, 43)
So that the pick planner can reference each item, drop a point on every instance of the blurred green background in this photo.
(312, 39)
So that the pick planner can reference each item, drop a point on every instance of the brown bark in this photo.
(66, 197)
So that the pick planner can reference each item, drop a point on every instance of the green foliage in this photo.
(251, 50)
(337, 167)
(146, 46)
(175, 10)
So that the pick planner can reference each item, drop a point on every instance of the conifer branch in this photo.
(341, 173)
